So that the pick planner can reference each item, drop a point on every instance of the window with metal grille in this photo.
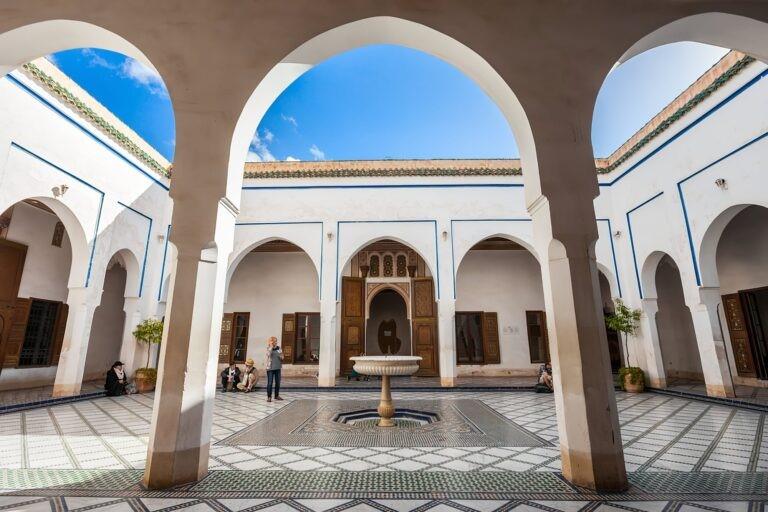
(38, 339)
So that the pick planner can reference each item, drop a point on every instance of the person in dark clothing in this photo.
(273, 363)
(116, 381)
(230, 378)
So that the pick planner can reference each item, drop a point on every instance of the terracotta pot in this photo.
(638, 387)
(143, 383)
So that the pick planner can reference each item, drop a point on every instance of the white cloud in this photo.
(316, 152)
(259, 151)
(292, 159)
(268, 135)
(130, 69)
(290, 120)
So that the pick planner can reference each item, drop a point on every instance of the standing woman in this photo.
(274, 364)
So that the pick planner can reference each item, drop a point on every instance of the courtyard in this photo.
(89, 455)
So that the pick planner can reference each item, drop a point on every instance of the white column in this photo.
(326, 376)
(182, 416)
(82, 303)
(129, 349)
(446, 324)
(714, 360)
(649, 340)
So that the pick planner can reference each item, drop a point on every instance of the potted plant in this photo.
(625, 320)
(150, 332)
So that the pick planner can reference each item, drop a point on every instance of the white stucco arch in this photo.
(242, 251)
(372, 31)
(707, 249)
(29, 42)
(466, 245)
(130, 263)
(648, 273)
(611, 277)
(716, 28)
(81, 252)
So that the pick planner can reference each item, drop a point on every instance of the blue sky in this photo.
(389, 102)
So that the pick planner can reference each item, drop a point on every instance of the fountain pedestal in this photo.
(386, 366)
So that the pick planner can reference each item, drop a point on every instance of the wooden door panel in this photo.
(225, 342)
(491, 351)
(740, 340)
(12, 257)
(17, 332)
(288, 338)
(352, 320)
(424, 323)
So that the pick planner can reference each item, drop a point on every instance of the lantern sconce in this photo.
(721, 183)
(329, 235)
(617, 234)
(445, 235)
(60, 190)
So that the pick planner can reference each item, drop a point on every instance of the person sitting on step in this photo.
(230, 378)
(116, 380)
(250, 377)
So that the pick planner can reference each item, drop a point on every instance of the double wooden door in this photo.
(746, 314)
(423, 320)
(12, 256)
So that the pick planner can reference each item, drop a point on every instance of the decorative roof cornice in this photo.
(699, 91)
(382, 168)
(82, 108)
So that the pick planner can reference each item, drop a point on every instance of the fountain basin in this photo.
(386, 365)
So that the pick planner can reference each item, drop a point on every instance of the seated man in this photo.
(250, 377)
(230, 377)
(545, 382)
(116, 380)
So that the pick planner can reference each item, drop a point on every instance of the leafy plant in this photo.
(148, 374)
(150, 331)
(636, 375)
(625, 321)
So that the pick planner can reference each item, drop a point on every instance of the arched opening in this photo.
(392, 266)
(388, 330)
(614, 340)
(677, 338)
(274, 291)
(38, 252)
(500, 318)
(742, 273)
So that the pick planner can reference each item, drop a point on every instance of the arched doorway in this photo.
(273, 291)
(388, 265)
(388, 330)
(106, 337)
(501, 326)
(614, 340)
(36, 257)
(742, 273)
(677, 338)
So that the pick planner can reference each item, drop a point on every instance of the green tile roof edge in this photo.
(102, 124)
(716, 84)
(353, 173)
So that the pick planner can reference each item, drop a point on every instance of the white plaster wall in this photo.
(46, 268)
(268, 284)
(508, 283)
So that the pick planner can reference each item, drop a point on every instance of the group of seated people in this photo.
(232, 379)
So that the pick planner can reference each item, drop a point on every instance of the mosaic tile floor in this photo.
(410, 382)
(682, 454)
(31, 395)
(749, 394)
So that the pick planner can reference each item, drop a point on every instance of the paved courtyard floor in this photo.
(682, 454)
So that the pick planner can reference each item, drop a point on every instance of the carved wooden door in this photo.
(491, 338)
(352, 320)
(12, 256)
(424, 332)
(740, 341)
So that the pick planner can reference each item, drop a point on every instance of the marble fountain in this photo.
(386, 367)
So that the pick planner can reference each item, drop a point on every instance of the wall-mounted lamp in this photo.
(329, 235)
(617, 234)
(445, 235)
(161, 237)
(60, 190)
(721, 183)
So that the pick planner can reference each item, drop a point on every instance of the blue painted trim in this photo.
(162, 267)
(436, 274)
(632, 240)
(694, 259)
(79, 180)
(453, 253)
(288, 223)
(613, 254)
(63, 114)
(694, 123)
(404, 185)
(146, 246)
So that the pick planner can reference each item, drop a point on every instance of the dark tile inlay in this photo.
(311, 423)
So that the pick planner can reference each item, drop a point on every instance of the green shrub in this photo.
(149, 374)
(636, 375)
(150, 331)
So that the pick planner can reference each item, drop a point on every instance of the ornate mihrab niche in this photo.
(427, 423)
